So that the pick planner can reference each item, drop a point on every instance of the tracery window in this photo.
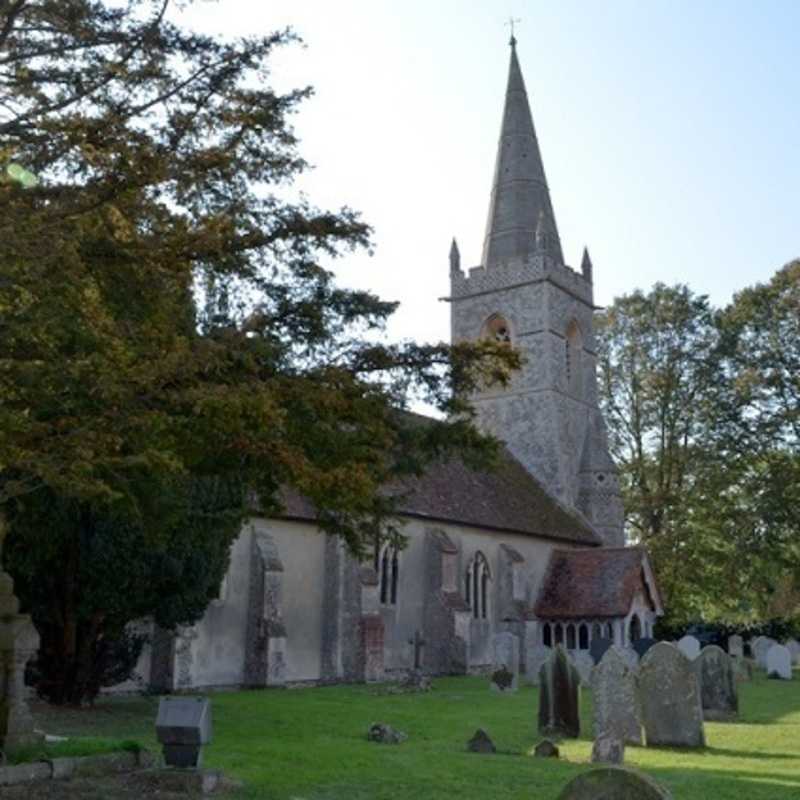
(387, 565)
(476, 584)
(497, 329)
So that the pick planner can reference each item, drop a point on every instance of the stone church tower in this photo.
(525, 294)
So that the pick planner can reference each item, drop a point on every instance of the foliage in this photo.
(702, 407)
(168, 321)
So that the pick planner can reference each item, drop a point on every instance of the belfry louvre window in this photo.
(476, 586)
(387, 565)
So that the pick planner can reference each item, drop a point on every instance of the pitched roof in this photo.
(593, 583)
(507, 498)
(520, 200)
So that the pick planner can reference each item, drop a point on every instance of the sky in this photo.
(669, 130)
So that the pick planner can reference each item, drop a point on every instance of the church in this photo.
(534, 547)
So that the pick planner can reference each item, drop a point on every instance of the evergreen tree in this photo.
(166, 316)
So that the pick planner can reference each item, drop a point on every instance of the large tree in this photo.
(165, 311)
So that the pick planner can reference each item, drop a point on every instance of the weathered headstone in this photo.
(613, 783)
(382, 733)
(743, 668)
(793, 646)
(735, 646)
(19, 642)
(614, 699)
(505, 673)
(183, 726)
(584, 664)
(760, 647)
(669, 693)
(481, 743)
(641, 646)
(689, 646)
(534, 658)
(718, 693)
(631, 656)
(559, 684)
(598, 647)
(779, 662)
(608, 750)
(545, 749)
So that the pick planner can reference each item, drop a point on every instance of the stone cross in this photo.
(418, 643)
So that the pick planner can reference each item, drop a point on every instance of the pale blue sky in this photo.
(670, 132)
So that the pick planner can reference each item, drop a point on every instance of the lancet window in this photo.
(387, 565)
(476, 586)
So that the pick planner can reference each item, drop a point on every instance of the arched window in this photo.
(570, 637)
(574, 347)
(476, 586)
(609, 631)
(559, 633)
(635, 629)
(497, 329)
(387, 565)
(547, 635)
(597, 631)
(583, 636)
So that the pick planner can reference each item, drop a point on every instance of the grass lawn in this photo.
(310, 744)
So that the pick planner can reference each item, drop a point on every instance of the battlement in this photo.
(519, 272)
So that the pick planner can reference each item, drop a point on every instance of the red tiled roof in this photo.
(591, 583)
(506, 498)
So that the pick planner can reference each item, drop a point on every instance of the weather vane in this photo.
(511, 22)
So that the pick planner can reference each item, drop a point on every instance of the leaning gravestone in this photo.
(505, 673)
(613, 783)
(735, 646)
(793, 646)
(779, 663)
(598, 647)
(641, 646)
(689, 646)
(616, 707)
(718, 693)
(584, 664)
(760, 647)
(558, 697)
(535, 657)
(669, 693)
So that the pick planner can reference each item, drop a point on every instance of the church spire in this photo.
(519, 191)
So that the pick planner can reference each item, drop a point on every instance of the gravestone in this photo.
(559, 684)
(669, 694)
(718, 694)
(19, 642)
(584, 664)
(534, 658)
(735, 646)
(793, 646)
(779, 663)
(760, 647)
(545, 749)
(614, 699)
(183, 726)
(481, 743)
(613, 783)
(598, 647)
(608, 750)
(631, 656)
(505, 673)
(689, 646)
(641, 646)
(743, 668)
